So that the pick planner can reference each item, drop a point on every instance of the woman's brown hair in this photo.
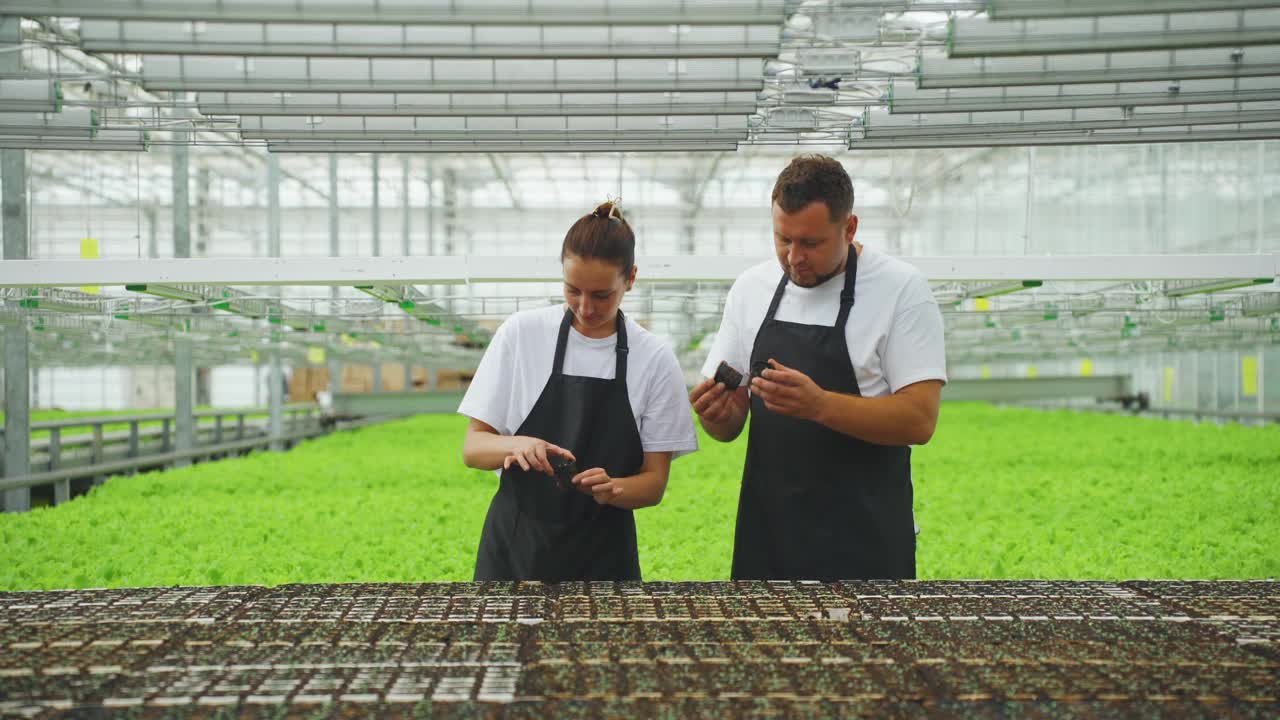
(603, 234)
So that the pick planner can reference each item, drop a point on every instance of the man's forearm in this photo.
(889, 420)
(726, 431)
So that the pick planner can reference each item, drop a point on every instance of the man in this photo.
(853, 345)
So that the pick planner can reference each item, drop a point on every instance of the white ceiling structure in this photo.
(443, 148)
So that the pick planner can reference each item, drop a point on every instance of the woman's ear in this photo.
(631, 277)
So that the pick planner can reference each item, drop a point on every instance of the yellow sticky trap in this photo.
(1249, 376)
(986, 372)
(1086, 368)
(1168, 384)
(1031, 371)
(253, 355)
(981, 304)
(89, 251)
(315, 355)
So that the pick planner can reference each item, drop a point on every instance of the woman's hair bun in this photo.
(608, 209)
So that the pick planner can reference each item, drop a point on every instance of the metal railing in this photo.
(60, 458)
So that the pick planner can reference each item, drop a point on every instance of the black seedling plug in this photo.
(757, 369)
(727, 374)
(565, 469)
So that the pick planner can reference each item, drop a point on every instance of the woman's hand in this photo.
(531, 453)
(597, 483)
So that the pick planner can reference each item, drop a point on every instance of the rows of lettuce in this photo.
(1000, 493)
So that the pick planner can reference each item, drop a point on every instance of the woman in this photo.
(577, 383)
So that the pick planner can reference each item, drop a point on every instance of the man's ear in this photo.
(850, 229)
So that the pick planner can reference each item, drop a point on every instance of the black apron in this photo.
(817, 504)
(538, 530)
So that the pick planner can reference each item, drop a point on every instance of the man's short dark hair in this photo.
(814, 178)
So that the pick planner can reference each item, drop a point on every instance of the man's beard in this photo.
(822, 278)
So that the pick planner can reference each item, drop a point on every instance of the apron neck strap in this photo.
(850, 281)
(846, 295)
(557, 367)
(620, 371)
(562, 341)
(777, 297)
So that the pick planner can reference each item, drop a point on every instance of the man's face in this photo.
(811, 248)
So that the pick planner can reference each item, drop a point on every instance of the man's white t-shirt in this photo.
(516, 366)
(894, 331)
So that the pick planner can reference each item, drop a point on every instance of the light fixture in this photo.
(584, 127)
(59, 300)
(316, 74)
(72, 123)
(188, 293)
(981, 37)
(498, 129)
(525, 40)
(104, 140)
(904, 97)
(1031, 9)
(801, 94)
(477, 104)
(493, 12)
(30, 96)
(792, 118)
(825, 61)
(1174, 65)
(1191, 133)
(850, 25)
(1261, 304)
(882, 125)
(489, 146)
(1181, 288)
(1001, 288)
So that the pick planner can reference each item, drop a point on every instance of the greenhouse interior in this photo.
(270, 294)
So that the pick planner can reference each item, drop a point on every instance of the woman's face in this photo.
(593, 289)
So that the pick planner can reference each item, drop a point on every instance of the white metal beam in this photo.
(497, 129)
(1172, 65)
(439, 12)
(886, 126)
(525, 40)
(982, 37)
(478, 104)
(1183, 134)
(1030, 9)
(500, 146)
(313, 74)
(904, 97)
(715, 268)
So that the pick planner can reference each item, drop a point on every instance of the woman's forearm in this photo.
(485, 450)
(644, 489)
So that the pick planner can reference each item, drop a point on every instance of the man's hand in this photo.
(531, 453)
(789, 392)
(597, 483)
(718, 405)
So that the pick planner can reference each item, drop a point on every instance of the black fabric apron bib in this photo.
(536, 530)
(817, 504)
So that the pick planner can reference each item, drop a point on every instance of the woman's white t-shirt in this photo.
(516, 366)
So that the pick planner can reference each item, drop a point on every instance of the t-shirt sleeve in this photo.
(914, 350)
(489, 397)
(666, 424)
(729, 344)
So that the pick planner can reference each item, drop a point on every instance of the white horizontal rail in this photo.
(353, 271)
